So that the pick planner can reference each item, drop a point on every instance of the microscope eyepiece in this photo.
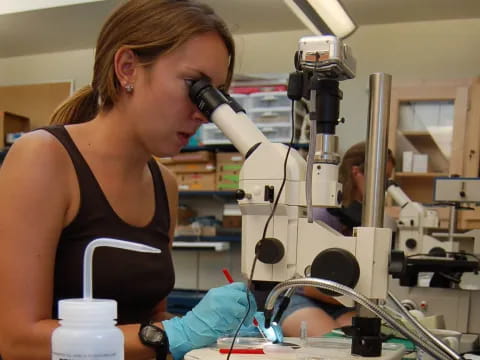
(206, 97)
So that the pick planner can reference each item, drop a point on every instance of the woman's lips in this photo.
(184, 138)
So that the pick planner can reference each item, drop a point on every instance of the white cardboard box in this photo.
(420, 163)
(407, 161)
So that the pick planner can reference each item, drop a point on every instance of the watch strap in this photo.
(161, 349)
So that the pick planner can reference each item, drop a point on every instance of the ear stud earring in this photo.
(129, 88)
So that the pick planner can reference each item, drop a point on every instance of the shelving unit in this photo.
(196, 244)
(12, 123)
(418, 175)
(441, 120)
(219, 238)
(224, 194)
(200, 259)
(231, 148)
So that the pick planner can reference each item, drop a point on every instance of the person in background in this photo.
(322, 312)
(91, 174)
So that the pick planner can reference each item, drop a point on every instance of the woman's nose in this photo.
(200, 117)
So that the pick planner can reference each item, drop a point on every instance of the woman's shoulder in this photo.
(37, 151)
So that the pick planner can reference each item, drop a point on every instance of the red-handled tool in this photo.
(229, 278)
(241, 351)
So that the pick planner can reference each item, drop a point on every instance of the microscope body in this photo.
(310, 247)
(414, 225)
(294, 244)
(305, 243)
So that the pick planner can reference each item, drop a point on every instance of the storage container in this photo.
(210, 135)
(270, 99)
(277, 132)
(243, 100)
(277, 115)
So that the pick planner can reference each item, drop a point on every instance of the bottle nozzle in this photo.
(88, 257)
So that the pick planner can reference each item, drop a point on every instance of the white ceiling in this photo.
(76, 26)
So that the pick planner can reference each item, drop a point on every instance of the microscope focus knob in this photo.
(241, 194)
(337, 265)
(398, 263)
(270, 250)
(411, 243)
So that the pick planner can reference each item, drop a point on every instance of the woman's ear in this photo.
(356, 171)
(359, 181)
(126, 67)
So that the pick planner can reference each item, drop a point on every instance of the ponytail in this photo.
(82, 106)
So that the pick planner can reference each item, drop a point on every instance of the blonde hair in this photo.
(354, 156)
(150, 28)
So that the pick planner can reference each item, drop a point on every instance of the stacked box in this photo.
(232, 217)
(193, 170)
(196, 181)
(228, 170)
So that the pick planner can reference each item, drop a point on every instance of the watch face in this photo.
(152, 334)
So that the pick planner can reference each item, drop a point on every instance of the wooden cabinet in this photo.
(440, 120)
(12, 123)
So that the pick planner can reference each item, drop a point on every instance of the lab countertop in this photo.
(334, 348)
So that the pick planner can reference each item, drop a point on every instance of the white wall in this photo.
(71, 65)
(409, 51)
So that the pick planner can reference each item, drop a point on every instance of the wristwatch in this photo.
(155, 337)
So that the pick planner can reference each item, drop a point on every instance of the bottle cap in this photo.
(87, 309)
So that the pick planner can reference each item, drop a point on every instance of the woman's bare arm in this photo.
(37, 181)
(33, 204)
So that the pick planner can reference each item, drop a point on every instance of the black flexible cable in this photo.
(290, 145)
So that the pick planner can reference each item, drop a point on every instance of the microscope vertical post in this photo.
(376, 150)
(366, 340)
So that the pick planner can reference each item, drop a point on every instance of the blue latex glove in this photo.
(219, 312)
(273, 333)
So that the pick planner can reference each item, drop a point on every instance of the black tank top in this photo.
(137, 281)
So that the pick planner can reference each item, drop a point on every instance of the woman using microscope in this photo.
(92, 175)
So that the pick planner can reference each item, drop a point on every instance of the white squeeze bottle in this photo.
(87, 328)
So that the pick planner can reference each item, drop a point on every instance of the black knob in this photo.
(337, 265)
(270, 250)
(240, 194)
(339, 197)
(437, 251)
(397, 264)
(411, 243)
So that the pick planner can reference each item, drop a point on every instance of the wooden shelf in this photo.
(419, 175)
(231, 148)
(12, 123)
(200, 239)
(206, 193)
(414, 133)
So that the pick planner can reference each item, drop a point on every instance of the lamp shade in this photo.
(327, 17)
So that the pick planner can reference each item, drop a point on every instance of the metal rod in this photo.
(452, 225)
(429, 347)
(376, 150)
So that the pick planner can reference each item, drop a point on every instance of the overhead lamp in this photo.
(327, 17)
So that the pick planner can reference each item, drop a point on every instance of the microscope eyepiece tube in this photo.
(206, 97)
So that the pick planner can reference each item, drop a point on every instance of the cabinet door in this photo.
(428, 122)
